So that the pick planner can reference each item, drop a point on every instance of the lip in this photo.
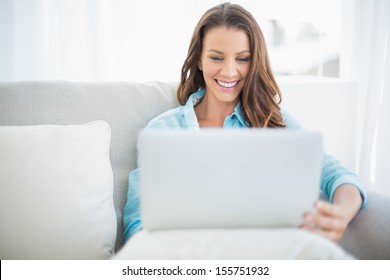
(227, 85)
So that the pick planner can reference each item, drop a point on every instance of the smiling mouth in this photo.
(227, 84)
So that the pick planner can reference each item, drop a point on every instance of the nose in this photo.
(229, 68)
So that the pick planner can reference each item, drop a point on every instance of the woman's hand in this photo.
(328, 221)
(331, 220)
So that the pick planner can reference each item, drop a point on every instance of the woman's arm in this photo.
(349, 199)
(131, 212)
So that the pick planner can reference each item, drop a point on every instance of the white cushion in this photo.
(217, 244)
(56, 192)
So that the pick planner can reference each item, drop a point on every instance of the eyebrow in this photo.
(219, 52)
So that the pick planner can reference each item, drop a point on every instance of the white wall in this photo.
(326, 105)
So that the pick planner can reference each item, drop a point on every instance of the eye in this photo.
(243, 59)
(216, 58)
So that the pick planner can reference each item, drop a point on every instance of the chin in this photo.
(228, 98)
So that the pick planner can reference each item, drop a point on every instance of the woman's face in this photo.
(225, 62)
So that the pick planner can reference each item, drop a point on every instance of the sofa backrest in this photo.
(127, 107)
(328, 106)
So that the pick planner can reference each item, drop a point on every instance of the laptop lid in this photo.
(219, 178)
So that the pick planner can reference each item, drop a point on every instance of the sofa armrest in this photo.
(368, 235)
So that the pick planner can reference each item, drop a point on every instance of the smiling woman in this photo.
(228, 56)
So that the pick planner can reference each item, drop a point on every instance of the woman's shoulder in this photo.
(172, 118)
(289, 120)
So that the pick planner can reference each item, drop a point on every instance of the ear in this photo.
(200, 65)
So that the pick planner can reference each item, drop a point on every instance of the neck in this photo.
(212, 113)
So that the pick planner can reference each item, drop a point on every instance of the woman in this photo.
(226, 81)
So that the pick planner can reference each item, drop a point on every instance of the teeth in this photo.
(227, 85)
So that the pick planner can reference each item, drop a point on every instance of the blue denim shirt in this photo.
(333, 173)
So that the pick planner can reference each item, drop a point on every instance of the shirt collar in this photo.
(189, 111)
(240, 115)
(195, 99)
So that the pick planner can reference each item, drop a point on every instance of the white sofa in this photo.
(68, 222)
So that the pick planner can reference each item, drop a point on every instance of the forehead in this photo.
(226, 40)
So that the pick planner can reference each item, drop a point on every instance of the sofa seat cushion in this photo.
(245, 244)
(56, 192)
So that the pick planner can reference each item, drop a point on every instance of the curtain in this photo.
(365, 57)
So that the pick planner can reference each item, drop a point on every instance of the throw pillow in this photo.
(56, 192)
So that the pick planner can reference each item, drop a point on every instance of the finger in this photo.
(329, 227)
(318, 221)
(327, 223)
(332, 235)
(328, 209)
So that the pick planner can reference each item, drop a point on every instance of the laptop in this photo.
(228, 178)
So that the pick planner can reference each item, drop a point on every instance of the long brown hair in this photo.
(260, 97)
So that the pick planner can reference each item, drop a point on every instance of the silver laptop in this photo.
(216, 178)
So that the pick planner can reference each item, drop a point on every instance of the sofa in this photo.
(55, 214)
